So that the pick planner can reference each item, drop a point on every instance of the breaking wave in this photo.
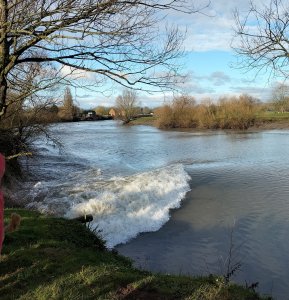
(122, 207)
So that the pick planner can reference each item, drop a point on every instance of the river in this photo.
(174, 201)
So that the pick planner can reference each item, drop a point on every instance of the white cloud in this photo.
(73, 73)
(205, 84)
(219, 78)
(212, 29)
(262, 93)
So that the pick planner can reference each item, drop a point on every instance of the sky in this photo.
(209, 60)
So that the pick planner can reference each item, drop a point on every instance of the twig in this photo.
(18, 154)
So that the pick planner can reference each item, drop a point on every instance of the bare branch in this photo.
(262, 38)
(117, 39)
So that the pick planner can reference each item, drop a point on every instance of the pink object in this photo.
(2, 170)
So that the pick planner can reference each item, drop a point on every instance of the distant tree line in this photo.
(65, 110)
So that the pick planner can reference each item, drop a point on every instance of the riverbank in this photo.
(54, 258)
(266, 121)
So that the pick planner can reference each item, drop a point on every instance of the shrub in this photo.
(206, 115)
(164, 116)
(236, 112)
(230, 113)
(179, 114)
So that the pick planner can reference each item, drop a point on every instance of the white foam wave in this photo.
(122, 207)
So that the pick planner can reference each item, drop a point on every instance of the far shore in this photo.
(271, 126)
(259, 126)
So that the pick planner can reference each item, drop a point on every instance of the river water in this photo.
(175, 202)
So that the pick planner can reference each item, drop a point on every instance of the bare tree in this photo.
(68, 109)
(116, 39)
(29, 82)
(101, 110)
(30, 111)
(126, 105)
(280, 97)
(262, 38)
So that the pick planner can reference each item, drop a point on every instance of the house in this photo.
(115, 113)
(89, 115)
(112, 112)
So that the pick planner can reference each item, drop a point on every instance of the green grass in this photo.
(273, 116)
(54, 258)
(144, 121)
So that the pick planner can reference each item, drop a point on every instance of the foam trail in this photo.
(122, 207)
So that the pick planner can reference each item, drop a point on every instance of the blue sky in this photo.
(209, 61)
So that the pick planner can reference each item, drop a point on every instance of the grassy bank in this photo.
(54, 258)
(150, 121)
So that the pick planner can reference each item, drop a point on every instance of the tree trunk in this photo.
(4, 55)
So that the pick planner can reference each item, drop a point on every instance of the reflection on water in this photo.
(238, 180)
